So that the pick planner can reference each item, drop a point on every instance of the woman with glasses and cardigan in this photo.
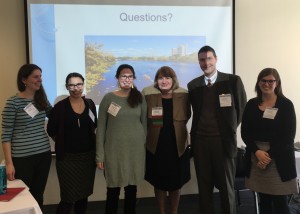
(268, 129)
(72, 126)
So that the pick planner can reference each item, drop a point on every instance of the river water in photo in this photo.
(145, 72)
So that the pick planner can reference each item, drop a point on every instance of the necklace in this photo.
(76, 109)
(78, 119)
(78, 115)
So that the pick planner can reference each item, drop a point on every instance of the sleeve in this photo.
(8, 120)
(240, 99)
(48, 109)
(53, 124)
(188, 103)
(92, 107)
(101, 130)
(143, 91)
(284, 137)
(144, 115)
(94, 112)
(246, 128)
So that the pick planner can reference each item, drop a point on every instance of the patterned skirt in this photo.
(268, 180)
(76, 175)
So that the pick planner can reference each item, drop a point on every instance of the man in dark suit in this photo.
(218, 101)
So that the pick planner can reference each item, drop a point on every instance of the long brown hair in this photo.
(40, 97)
(135, 97)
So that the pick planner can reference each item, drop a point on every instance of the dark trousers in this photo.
(213, 169)
(66, 207)
(33, 171)
(112, 200)
(273, 204)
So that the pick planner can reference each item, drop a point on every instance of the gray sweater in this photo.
(120, 141)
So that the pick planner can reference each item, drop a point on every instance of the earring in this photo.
(119, 86)
(132, 86)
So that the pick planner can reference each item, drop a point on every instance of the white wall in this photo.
(12, 48)
(267, 35)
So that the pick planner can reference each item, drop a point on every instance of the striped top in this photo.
(26, 134)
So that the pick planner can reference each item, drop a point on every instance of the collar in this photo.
(213, 78)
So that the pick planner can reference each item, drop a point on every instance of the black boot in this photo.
(112, 200)
(130, 199)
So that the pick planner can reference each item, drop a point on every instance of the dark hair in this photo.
(74, 74)
(135, 97)
(166, 71)
(266, 72)
(40, 97)
(206, 49)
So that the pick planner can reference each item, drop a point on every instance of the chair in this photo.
(291, 197)
(239, 183)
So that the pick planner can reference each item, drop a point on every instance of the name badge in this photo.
(113, 109)
(157, 111)
(91, 115)
(225, 100)
(31, 110)
(270, 113)
(157, 116)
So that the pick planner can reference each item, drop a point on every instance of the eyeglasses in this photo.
(78, 85)
(270, 82)
(124, 77)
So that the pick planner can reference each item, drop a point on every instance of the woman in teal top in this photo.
(120, 140)
(25, 143)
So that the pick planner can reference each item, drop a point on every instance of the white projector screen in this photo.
(94, 37)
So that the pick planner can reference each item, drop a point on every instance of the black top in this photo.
(279, 132)
(77, 134)
(56, 125)
(165, 170)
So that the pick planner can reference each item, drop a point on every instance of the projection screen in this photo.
(94, 37)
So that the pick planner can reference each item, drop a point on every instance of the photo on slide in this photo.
(103, 55)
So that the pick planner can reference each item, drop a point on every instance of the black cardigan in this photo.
(55, 126)
(280, 132)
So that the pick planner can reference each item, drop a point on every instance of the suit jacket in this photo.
(228, 117)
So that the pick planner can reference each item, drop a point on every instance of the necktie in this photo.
(209, 84)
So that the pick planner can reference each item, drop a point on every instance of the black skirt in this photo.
(76, 175)
(164, 169)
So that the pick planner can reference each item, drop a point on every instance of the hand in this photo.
(261, 165)
(263, 159)
(10, 172)
(100, 165)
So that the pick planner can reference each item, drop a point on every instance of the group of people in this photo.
(141, 135)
